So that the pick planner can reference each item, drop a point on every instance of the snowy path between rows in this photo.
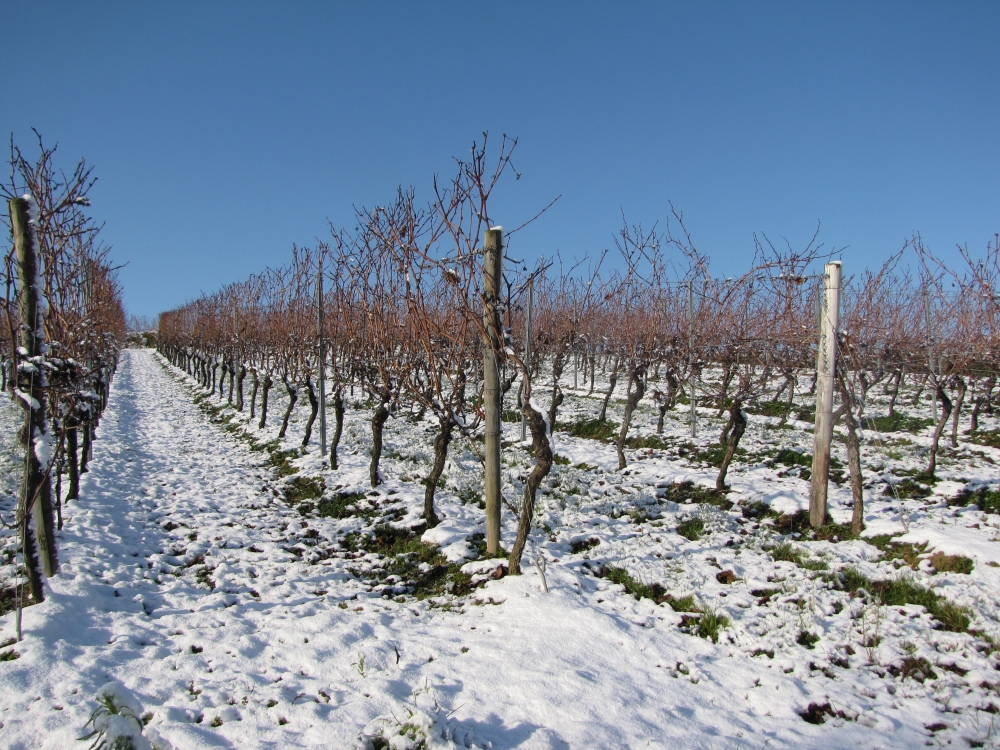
(281, 654)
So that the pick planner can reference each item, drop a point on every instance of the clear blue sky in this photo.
(223, 132)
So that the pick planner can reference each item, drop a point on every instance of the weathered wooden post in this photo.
(492, 277)
(930, 348)
(322, 358)
(691, 358)
(36, 490)
(527, 347)
(826, 363)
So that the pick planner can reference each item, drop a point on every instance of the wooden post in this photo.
(691, 358)
(930, 347)
(527, 346)
(322, 358)
(826, 363)
(492, 277)
(36, 490)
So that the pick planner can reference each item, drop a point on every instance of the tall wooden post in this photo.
(930, 348)
(492, 264)
(527, 347)
(826, 363)
(322, 359)
(691, 358)
(36, 490)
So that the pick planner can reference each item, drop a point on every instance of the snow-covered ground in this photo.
(199, 572)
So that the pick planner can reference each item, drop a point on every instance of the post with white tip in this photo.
(322, 358)
(826, 364)
(492, 264)
(36, 492)
(527, 347)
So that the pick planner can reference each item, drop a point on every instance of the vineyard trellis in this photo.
(402, 319)
(65, 326)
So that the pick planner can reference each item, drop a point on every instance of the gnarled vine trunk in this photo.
(636, 390)
(735, 429)
(441, 442)
(338, 410)
(543, 465)
(293, 397)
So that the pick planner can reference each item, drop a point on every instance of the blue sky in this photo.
(223, 132)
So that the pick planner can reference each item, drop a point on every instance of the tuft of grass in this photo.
(901, 591)
(769, 408)
(908, 488)
(594, 429)
(582, 545)
(793, 522)
(477, 540)
(656, 442)
(344, 505)
(692, 528)
(682, 491)
(560, 460)
(8, 599)
(682, 603)
(908, 553)
(639, 590)
(896, 423)
(951, 563)
(807, 639)
(913, 667)
(9, 655)
(833, 532)
(792, 457)
(986, 437)
(987, 498)
(423, 569)
(709, 625)
(785, 552)
(300, 489)
(756, 510)
(279, 460)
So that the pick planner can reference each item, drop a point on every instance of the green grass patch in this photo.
(691, 528)
(706, 625)
(901, 591)
(655, 442)
(986, 497)
(405, 555)
(896, 423)
(769, 408)
(582, 545)
(712, 455)
(909, 488)
(593, 429)
(477, 541)
(832, 532)
(639, 590)
(682, 491)
(785, 552)
(807, 639)
(344, 505)
(986, 437)
(792, 457)
(951, 563)
(908, 553)
(682, 603)
(300, 489)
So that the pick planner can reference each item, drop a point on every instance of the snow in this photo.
(230, 619)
